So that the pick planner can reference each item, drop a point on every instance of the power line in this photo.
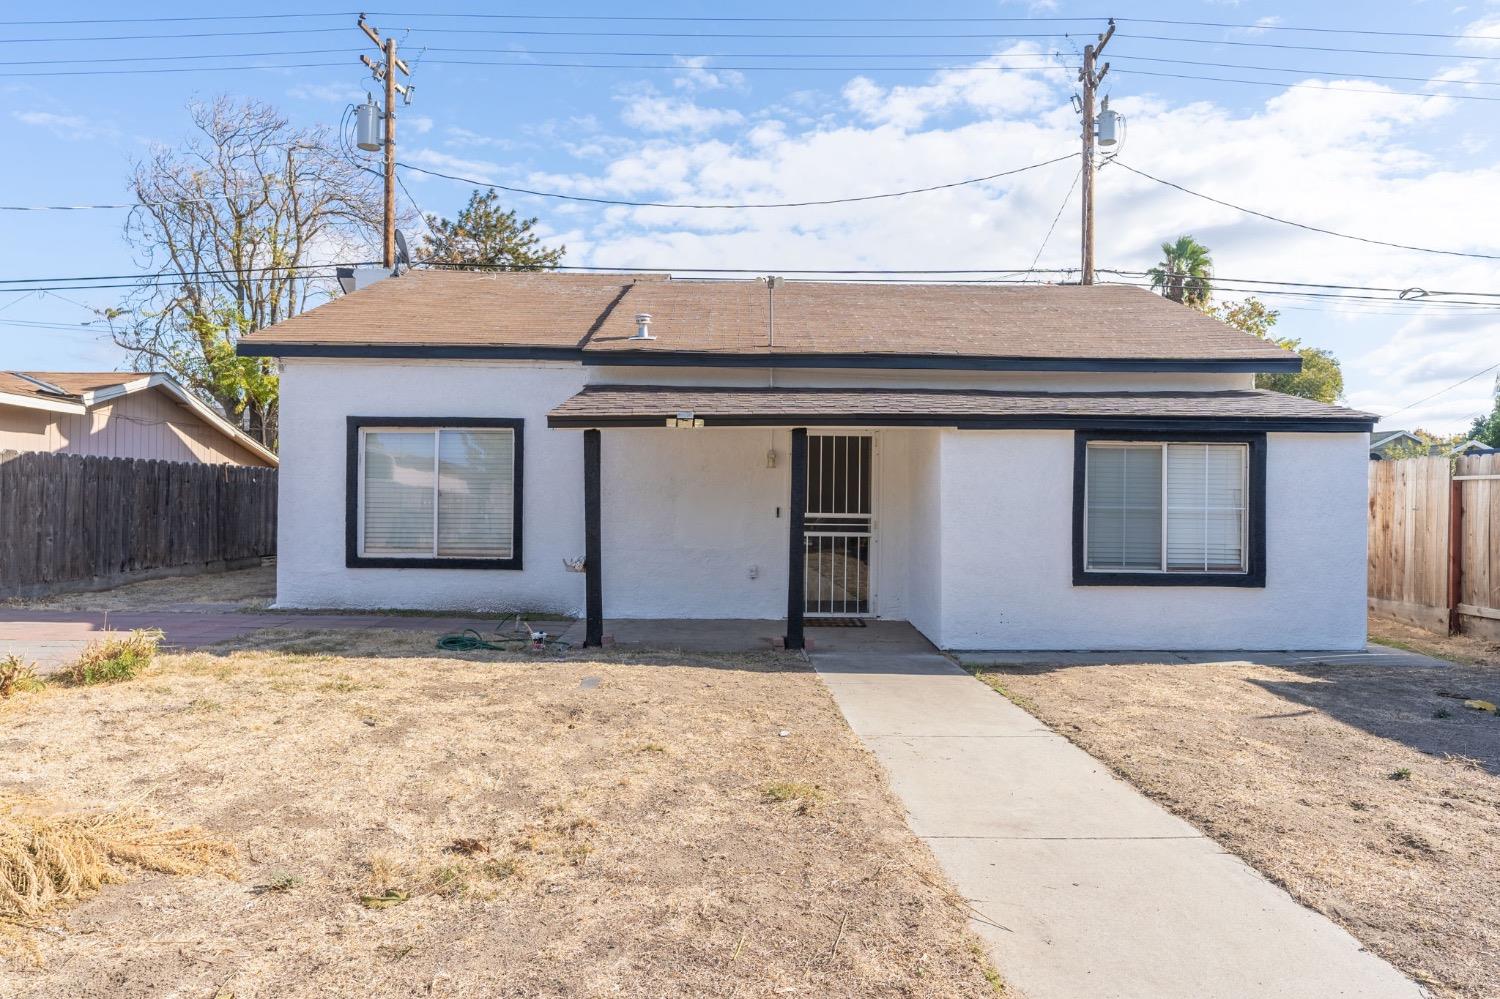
(762, 19)
(1314, 86)
(1060, 209)
(1303, 225)
(1465, 381)
(1309, 72)
(773, 204)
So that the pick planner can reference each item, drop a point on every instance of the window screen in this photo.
(1166, 507)
(440, 493)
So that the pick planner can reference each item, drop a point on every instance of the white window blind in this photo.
(475, 499)
(398, 499)
(444, 493)
(1124, 507)
(1205, 507)
(1166, 507)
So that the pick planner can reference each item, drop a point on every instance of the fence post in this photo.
(1455, 550)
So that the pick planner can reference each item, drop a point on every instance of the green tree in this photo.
(225, 224)
(483, 234)
(1486, 428)
(1320, 379)
(1185, 273)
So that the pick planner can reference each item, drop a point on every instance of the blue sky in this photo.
(1416, 170)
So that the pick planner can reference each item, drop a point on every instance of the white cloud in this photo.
(652, 113)
(327, 93)
(419, 124)
(697, 74)
(74, 128)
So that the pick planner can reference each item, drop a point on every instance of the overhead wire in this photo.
(1450, 388)
(743, 205)
(1304, 225)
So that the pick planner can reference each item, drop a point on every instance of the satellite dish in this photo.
(403, 255)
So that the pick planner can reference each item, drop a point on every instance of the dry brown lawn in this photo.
(1370, 793)
(410, 824)
(248, 589)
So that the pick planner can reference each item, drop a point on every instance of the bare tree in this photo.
(227, 224)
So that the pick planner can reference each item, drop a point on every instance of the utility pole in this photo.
(1090, 80)
(386, 72)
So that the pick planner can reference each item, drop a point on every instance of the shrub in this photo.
(115, 659)
(17, 677)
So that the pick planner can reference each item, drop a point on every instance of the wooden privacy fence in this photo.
(1435, 542)
(70, 522)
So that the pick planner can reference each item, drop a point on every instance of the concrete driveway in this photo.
(1080, 886)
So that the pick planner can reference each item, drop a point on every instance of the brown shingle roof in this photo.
(596, 313)
(74, 383)
(604, 405)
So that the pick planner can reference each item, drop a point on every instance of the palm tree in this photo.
(1186, 272)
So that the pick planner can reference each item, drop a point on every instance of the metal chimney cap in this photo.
(644, 318)
(643, 326)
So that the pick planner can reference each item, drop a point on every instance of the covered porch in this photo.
(871, 503)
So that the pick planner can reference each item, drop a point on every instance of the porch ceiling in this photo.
(603, 406)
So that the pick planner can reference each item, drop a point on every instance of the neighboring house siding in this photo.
(145, 424)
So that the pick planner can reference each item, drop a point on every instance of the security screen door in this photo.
(840, 525)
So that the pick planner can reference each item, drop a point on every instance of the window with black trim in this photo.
(1166, 510)
(434, 493)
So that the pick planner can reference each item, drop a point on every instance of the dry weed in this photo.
(49, 859)
(115, 659)
(17, 677)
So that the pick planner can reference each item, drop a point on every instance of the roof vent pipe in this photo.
(643, 326)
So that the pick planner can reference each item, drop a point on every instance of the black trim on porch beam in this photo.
(796, 559)
(1238, 425)
(593, 634)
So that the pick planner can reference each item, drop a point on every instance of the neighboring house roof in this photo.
(81, 391)
(435, 313)
(1382, 440)
(653, 405)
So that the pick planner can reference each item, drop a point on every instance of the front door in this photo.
(840, 525)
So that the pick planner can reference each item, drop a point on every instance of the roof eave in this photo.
(713, 359)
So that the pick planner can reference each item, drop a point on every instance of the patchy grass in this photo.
(17, 677)
(1364, 791)
(806, 796)
(484, 822)
(113, 660)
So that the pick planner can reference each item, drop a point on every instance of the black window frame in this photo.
(1255, 511)
(354, 560)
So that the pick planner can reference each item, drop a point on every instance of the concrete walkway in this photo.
(1080, 886)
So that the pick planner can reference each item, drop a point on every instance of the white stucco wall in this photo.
(1006, 582)
(317, 396)
(925, 580)
(973, 527)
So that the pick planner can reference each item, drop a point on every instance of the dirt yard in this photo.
(245, 589)
(408, 824)
(1371, 794)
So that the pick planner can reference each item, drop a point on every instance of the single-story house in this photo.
(1005, 467)
(119, 414)
(1383, 443)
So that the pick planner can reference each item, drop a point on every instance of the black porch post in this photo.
(796, 594)
(593, 635)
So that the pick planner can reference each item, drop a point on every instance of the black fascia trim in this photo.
(411, 351)
(1255, 574)
(354, 560)
(671, 359)
(1164, 424)
(657, 358)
